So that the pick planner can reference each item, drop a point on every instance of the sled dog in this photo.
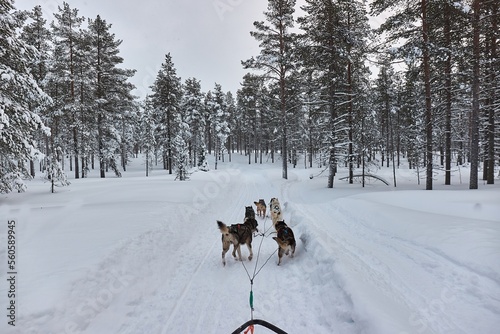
(249, 212)
(261, 207)
(275, 209)
(285, 240)
(237, 234)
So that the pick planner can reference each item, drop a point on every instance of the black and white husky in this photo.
(237, 234)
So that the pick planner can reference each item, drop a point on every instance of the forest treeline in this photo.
(309, 94)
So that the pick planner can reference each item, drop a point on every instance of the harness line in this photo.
(255, 273)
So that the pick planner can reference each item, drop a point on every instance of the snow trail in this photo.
(143, 255)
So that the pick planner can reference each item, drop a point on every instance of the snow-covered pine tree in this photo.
(166, 98)
(208, 106)
(415, 25)
(203, 164)
(491, 91)
(231, 113)
(38, 36)
(35, 34)
(220, 123)
(413, 138)
(385, 98)
(276, 58)
(55, 173)
(476, 59)
(112, 93)
(333, 49)
(147, 134)
(192, 106)
(247, 97)
(312, 117)
(447, 27)
(64, 72)
(85, 101)
(181, 147)
(19, 92)
(127, 126)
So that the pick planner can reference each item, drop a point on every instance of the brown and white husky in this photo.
(261, 207)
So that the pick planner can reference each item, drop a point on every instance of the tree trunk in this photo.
(447, 130)
(490, 177)
(169, 143)
(100, 139)
(428, 105)
(350, 121)
(473, 183)
(75, 148)
(284, 146)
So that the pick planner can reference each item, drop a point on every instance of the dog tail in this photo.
(222, 227)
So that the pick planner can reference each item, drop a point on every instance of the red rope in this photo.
(250, 328)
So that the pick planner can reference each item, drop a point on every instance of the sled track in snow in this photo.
(236, 210)
(389, 265)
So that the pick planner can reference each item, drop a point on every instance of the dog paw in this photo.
(250, 258)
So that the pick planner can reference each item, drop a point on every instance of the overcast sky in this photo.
(207, 39)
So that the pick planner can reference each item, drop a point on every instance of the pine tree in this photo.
(208, 106)
(126, 126)
(492, 90)
(416, 44)
(192, 105)
(428, 103)
(147, 133)
(230, 103)
(38, 36)
(55, 173)
(19, 92)
(473, 182)
(247, 104)
(333, 49)
(166, 98)
(447, 34)
(220, 122)
(85, 100)
(112, 92)
(276, 58)
(385, 100)
(64, 71)
(181, 148)
(312, 116)
(482, 45)
(203, 164)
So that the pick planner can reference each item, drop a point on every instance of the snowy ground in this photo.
(143, 255)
